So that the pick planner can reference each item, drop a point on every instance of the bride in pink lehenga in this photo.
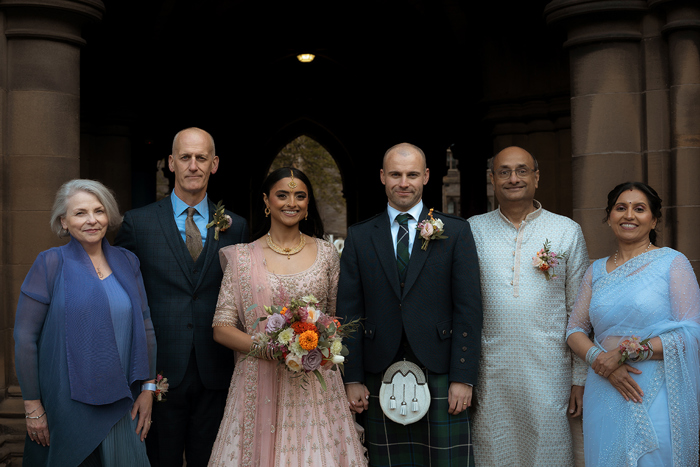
(270, 419)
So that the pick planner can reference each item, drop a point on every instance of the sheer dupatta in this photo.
(250, 275)
(654, 294)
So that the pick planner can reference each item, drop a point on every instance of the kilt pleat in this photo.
(438, 439)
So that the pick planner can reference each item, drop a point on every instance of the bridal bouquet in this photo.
(303, 338)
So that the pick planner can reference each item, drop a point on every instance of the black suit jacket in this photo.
(439, 307)
(182, 294)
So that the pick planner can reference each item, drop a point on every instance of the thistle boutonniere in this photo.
(222, 221)
(545, 260)
(430, 229)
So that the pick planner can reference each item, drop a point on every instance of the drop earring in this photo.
(267, 211)
(306, 217)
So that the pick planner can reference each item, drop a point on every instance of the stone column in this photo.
(40, 145)
(607, 105)
(681, 29)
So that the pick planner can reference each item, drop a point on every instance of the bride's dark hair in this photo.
(652, 198)
(313, 226)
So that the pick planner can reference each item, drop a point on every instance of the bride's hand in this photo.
(625, 385)
(606, 363)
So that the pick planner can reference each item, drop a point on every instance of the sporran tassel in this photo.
(392, 399)
(414, 403)
(403, 404)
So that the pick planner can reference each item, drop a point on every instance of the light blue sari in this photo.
(654, 294)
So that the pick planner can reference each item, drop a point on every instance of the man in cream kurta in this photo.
(529, 381)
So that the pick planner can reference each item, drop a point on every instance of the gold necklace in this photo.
(615, 259)
(286, 251)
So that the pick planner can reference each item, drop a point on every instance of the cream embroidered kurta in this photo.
(525, 371)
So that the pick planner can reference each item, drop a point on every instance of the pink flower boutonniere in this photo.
(545, 260)
(222, 221)
(162, 386)
(430, 229)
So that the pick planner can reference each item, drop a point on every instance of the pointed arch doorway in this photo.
(309, 156)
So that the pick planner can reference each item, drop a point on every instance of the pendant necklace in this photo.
(286, 251)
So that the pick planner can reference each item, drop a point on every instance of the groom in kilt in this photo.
(418, 295)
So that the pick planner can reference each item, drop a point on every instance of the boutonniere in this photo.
(430, 229)
(545, 260)
(222, 221)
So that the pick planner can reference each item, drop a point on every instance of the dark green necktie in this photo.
(402, 246)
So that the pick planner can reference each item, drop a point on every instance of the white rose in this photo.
(438, 224)
(293, 362)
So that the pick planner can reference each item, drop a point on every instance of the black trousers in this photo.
(188, 420)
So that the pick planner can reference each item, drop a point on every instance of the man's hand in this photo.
(576, 401)
(459, 397)
(358, 397)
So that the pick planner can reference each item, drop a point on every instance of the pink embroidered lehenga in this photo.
(270, 420)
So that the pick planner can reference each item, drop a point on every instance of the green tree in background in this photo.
(307, 155)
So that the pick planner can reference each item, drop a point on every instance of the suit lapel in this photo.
(211, 247)
(385, 251)
(166, 217)
(418, 256)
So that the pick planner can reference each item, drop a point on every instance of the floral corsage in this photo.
(430, 229)
(635, 350)
(162, 386)
(222, 221)
(545, 260)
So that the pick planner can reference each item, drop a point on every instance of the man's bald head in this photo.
(405, 149)
(192, 130)
(512, 150)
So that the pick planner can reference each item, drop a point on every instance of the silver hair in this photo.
(492, 158)
(103, 194)
(177, 135)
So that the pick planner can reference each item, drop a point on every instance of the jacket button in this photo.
(461, 360)
(444, 332)
(370, 331)
(189, 326)
(464, 334)
(195, 297)
(464, 349)
(402, 285)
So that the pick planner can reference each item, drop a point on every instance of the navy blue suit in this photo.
(182, 295)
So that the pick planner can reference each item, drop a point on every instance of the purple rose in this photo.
(312, 360)
(275, 323)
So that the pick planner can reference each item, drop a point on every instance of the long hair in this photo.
(313, 226)
(652, 198)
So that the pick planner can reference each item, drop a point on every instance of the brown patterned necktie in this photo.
(192, 235)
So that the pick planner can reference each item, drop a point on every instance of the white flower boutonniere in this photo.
(430, 229)
(222, 221)
(545, 260)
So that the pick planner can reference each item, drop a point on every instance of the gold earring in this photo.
(267, 211)
(306, 217)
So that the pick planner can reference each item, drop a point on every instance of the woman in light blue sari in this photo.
(640, 408)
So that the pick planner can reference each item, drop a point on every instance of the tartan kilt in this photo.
(438, 439)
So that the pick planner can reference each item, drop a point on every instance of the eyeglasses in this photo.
(520, 172)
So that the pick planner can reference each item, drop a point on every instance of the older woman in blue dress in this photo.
(640, 405)
(84, 341)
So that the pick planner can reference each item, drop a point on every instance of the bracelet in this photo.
(261, 352)
(35, 418)
(148, 387)
(592, 354)
(29, 413)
